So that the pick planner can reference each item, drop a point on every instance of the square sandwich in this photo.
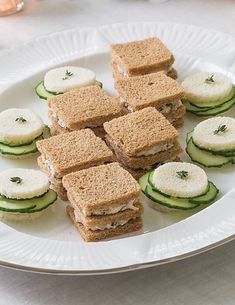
(66, 153)
(142, 139)
(87, 107)
(155, 90)
(141, 57)
(104, 201)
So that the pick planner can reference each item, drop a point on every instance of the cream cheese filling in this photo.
(48, 165)
(111, 225)
(154, 150)
(124, 73)
(130, 205)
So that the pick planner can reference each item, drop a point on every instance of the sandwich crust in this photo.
(85, 107)
(88, 235)
(74, 151)
(140, 130)
(142, 56)
(100, 187)
(155, 90)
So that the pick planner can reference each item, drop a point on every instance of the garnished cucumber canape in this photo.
(63, 79)
(177, 186)
(208, 93)
(19, 132)
(24, 194)
(212, 142)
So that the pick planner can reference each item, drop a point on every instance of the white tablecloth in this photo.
(207, 279)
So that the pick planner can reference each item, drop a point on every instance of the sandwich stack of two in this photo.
(141, 57)
(73, 151)
(104, 201)
(153, 90)
(142, 139)
(87, 107)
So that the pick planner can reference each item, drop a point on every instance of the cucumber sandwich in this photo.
(63, 79)
(208, 94)
(177, 186)
(20, 130)
(212, 142)
(24, 194)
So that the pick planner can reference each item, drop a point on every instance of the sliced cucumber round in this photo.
(208, 197)
(206, 158)
(214, 104)
(29, 205)
(42, 92)
(24, 150)
(143, 181)
(214, 111)
(11, 205)
(174, 203)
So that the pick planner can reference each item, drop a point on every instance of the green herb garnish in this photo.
(17, 180)
(20, 119)
(221, 128)
(182, 174)
(67, 74)
(210, 79)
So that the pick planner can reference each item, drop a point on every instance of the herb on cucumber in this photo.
(182, 174)
(220, 129)
(16, 180)
(20, 119)
(67, 75)
(210, 79)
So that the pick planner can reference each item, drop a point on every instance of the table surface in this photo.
(204, 279)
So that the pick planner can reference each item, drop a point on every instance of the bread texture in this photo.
(155, 90)
(99, 187)
(142, 56)
(140, 130)
(118, 75)
(74, 151)
(85, 107)
(89, 236)
(144, 162)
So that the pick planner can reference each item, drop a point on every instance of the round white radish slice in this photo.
(63, 79)
(19, 183)
(19, 126)
(215, 134)
(207, 87)
(180, 179)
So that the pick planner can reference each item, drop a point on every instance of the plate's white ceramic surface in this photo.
(51, 243)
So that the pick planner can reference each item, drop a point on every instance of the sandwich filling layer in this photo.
(48, 165)
(164, 109)
(111, 225)
(124, 73)
(130, 205)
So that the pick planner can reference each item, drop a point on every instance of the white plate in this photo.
(51, 244)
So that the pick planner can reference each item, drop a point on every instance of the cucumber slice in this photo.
(42, 92)
(44, 202)
(208, 197)
(24, 149)
(214, 111)
(11, 205)
(192, 108)
(29, 205)
(206, 158)
(143, 181)
(225, 153)
(174, 203)
(214, 104)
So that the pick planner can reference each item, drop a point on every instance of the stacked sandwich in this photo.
(142, 139)
(66, 153)
(104, 201)
(87, 107)
(141, 57)
(155, 90)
